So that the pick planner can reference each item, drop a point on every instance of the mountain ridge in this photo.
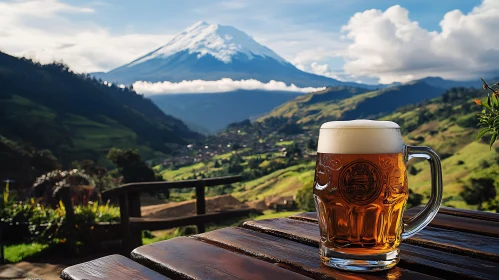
(211, 52)
(345, 103)
(76, 117)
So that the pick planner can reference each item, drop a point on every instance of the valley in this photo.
(446, 123)
(180, 139)
(266, 131)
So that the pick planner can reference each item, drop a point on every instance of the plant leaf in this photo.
(486, 105)
(495, 102)
(482, 132)
(492, 140)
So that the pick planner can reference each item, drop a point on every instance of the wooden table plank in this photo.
(412, 257)
(483, 247)
(457, 242)
(306, 216)
(472, 225)
(477, 222)
(187, 258)
(110, 267)
(300, 257)
(475, 214)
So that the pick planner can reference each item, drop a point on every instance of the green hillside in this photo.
(446, 123)
(340, 103)
(76, 117)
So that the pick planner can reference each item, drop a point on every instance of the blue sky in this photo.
(321, 36)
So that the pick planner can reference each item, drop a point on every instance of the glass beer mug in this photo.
(360, 192)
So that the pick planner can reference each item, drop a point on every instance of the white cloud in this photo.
(40, 29)
(222, 85)
(391, 47)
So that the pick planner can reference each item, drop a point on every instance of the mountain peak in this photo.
(220, 41)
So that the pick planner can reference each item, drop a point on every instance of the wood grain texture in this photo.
(306, 216)
(461, 243)
(456, 242)
(472, 225)
(477, 222)
(480, 215)
(187, 258)
(468, 236)
(110, 267)
(297, 256)
(159, 224)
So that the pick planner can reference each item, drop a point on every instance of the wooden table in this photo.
(458, 244)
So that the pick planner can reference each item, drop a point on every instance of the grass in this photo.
(281, 182)
(317, 112)
(164, 235)
(457, 170)
(270, 214)
(285, 143)
(98, 134)
(18, 252)
(186, 171)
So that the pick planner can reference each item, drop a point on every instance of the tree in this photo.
(414, 199)
(481, 190)
(102, 178)
(254, 163)
(312, 144)
(236, 146)
(294, 150)
(305, 198)
(132, 168)
(23, 163)
(413, 170)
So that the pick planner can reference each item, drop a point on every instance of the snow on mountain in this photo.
(212, 52)
(220, 41)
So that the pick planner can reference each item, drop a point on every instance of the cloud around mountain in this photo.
(222, 85)
(391, 47)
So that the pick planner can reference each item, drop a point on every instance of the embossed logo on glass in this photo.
(360, 182)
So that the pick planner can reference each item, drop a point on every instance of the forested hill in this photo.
(345, 103)
(448, 124)
(76, 117)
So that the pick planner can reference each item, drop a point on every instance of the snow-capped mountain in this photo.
(221, 42)
(206, 51)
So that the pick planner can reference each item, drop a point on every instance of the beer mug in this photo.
(360, 192)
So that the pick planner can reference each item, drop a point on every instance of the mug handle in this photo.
(423, 218)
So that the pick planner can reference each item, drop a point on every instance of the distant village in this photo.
(245, 142)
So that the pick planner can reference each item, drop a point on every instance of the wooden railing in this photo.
(132, 223)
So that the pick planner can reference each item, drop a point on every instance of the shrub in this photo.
(467, 121)
(413, 170)
(37, 222)
(305, 198)
(414, 199)
(481, 190)
(484, 164)
(489, 117)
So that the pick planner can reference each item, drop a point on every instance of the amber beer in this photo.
(360, 193)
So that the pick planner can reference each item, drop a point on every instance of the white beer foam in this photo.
(360, 137)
